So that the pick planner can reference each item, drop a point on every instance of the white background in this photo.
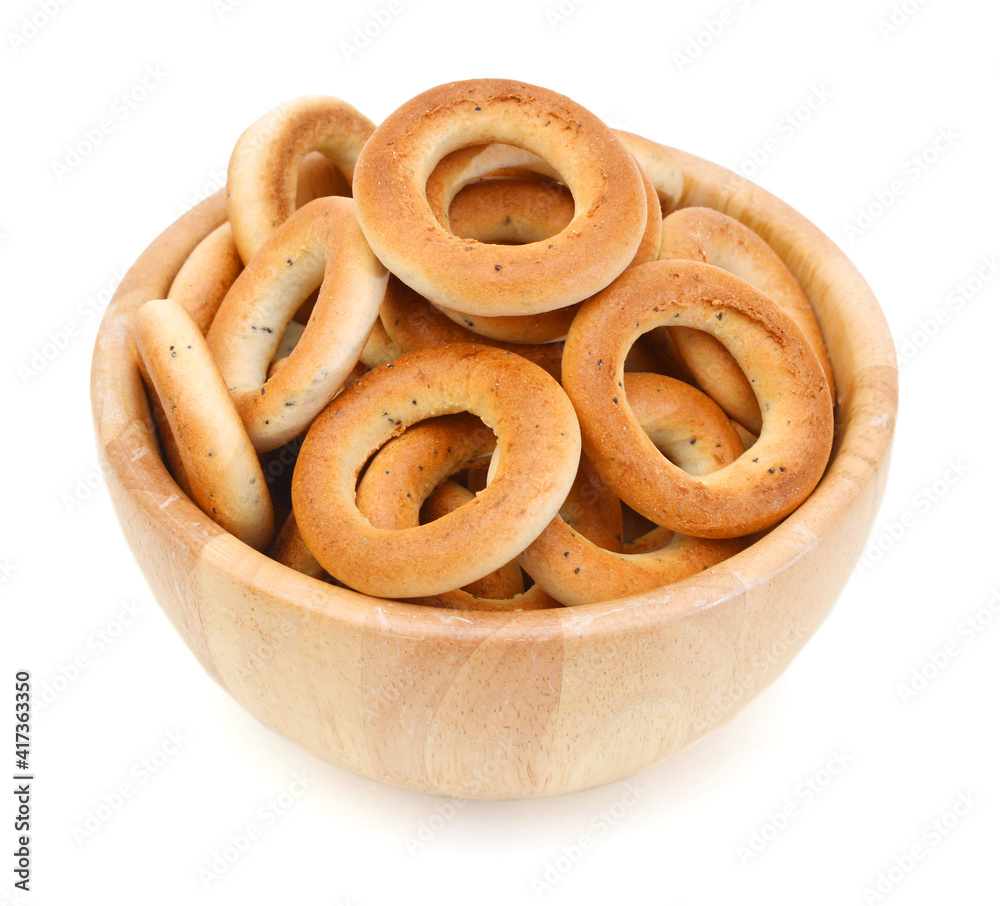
(68, 579)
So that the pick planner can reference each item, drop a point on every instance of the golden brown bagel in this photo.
(703, 234)
(538, 451)
(263, 178)
(390, 183)
(685, 425)
(319, 245)
(219, 461)
(764, 484)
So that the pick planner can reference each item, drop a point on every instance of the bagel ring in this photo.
(457, 172)
(659, 166)
(694, 432)
(448, 196)
(511, 210)
(380, 347)
(288, 548)
(704, 234)
(319, 245)
(538, 449)
(206, 276)
(220, 464)
(263, 175)
(390, 189)
(409, 476)
(764, 484)
(200, 286)
(211, 269)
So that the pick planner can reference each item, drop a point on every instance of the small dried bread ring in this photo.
(263, 170)
(380, 348)
(409, 468)
(406, 470)
(222, 469)
(207, 275)
(505, 582)
(413, 323)
(685, 425)
(319, 178)
(461, 171)
(703, 234)
(289, 548)
(456, 171)
(538, 448)
(390, 183)
(211, 269)
(404, 482)
(764, 484)
(200, 286)
(553, 325)
(584, 572)
(319, 245)
(452, 180)
(659, 166)
(512, 211)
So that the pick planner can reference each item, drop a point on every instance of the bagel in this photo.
(510, 211)
(764, 484)
(659, 165)
(390, 183)
(684, 424)
(707, 235)
(538, 440)
(263, 176)
(319, 245)
(207, 275)
(407, 478)
(470, 217)
(221, 467)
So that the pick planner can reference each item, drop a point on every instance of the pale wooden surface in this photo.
(494, 705)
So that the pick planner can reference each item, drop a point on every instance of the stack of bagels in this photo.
(499, 367)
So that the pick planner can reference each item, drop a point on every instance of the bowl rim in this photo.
(867, 404)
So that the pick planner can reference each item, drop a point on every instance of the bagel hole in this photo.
(278, 466)
(654, 352)
(546, 201)
(319, 177)
(634, 525)
(511, 209)
(474, 440)
(303, 312)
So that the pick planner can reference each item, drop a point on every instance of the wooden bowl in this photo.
(506, 705)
